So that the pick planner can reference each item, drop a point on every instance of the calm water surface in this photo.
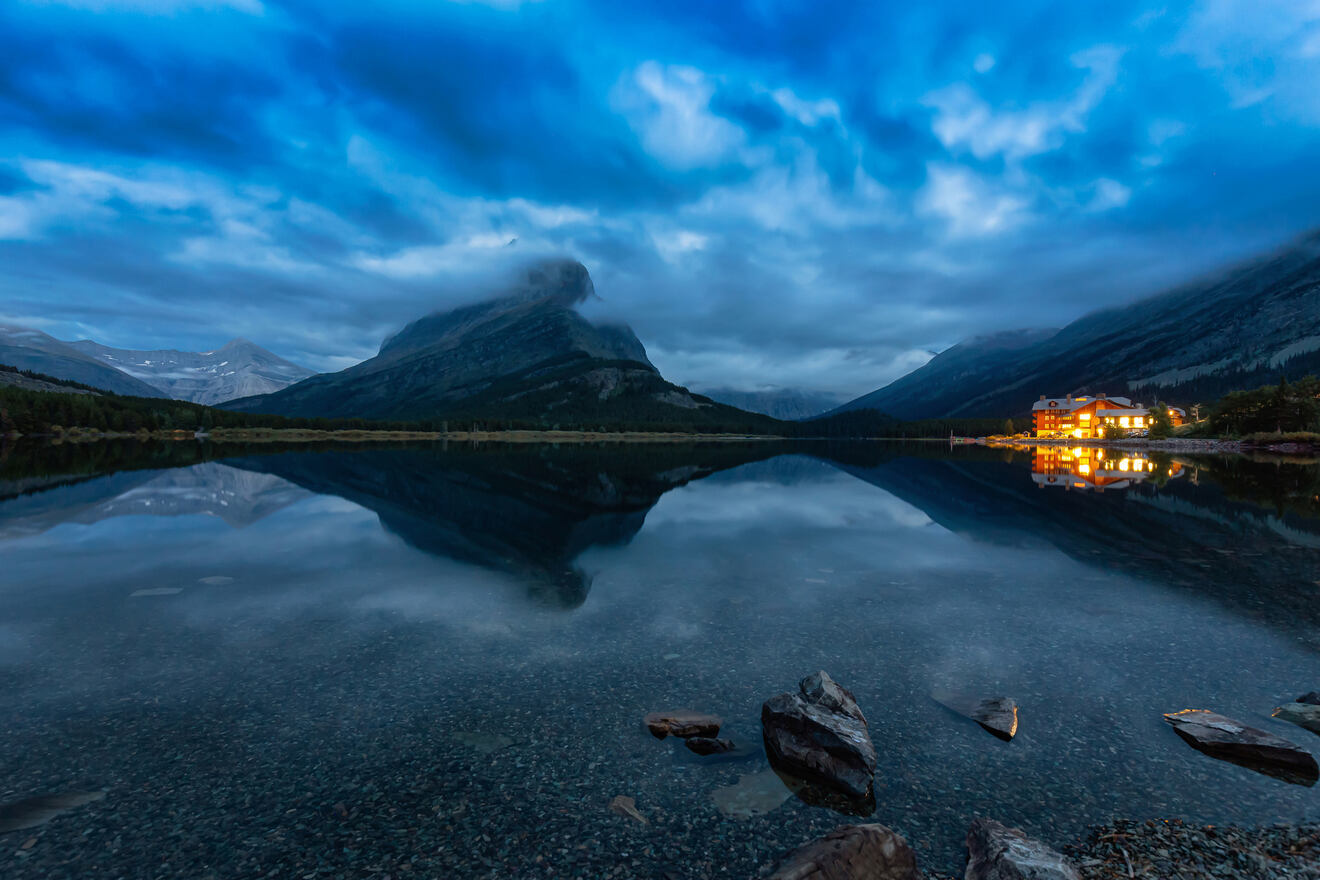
(434, 661)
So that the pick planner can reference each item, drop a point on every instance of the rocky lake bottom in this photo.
(435, 662)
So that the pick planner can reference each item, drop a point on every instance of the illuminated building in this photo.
(1084, 417)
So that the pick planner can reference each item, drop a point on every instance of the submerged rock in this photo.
(34, 811)
(483, 743)
(1245, 746)
(754, 794)
(622, 805)
(999, 715)
(820, 734)
(853, 852)
(997, 852)
(707, 745)
(1302, 714)
(682, 723)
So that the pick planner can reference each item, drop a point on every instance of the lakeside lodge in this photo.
(1085, 417)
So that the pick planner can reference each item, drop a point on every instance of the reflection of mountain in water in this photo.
(1188, 533)
(529, 511)
(238, 497)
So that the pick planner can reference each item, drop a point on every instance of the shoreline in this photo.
(299, 435)
(1125, 848)
(1171, 444)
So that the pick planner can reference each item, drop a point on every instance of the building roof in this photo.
(1066, 404)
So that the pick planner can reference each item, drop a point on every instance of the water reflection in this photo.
(1085, 467)
(529, 513)
(1234, 532)
(356, 636)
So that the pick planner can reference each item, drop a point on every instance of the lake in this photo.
(433, 661)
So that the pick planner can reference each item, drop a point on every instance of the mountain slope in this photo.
(36, 351)
(238, 369)
(527, 355)
(780, 403)
(1241, 328)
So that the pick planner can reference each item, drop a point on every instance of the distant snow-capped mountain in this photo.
(30, 349)
(238, 369)
(781, 403)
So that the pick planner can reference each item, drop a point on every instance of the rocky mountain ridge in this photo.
(1239, 328)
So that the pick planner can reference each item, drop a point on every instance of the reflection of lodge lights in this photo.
(1083, 468)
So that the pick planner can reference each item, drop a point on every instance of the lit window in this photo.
(1123, 465)
(1077, 432)
(1138, 421)
(1083, 469)
(1125, 422)
(1086, 417)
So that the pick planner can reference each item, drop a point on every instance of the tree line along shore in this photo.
(32, 404)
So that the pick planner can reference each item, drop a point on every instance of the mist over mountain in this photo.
(238, 369)
(526, 354)
(33, 350)
(780, 403)
(1239, 328)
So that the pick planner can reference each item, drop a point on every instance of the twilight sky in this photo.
(804, 194)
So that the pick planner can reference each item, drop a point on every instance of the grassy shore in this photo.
(295, 435)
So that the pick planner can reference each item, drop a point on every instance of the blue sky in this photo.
(812, 195)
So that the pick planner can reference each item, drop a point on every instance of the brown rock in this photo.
(682, 723)
(853, 852)
(707, 745)
(997, 852)
(1245, 746)
(625, 806)
(820, 734)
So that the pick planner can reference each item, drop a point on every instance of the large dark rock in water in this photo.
(853, 852)
(1233, 741)
(997, 852)
(999, 715)
(527, 355)
(820, 734)
(1313, 698)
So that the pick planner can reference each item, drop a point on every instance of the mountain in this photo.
(239, 369)
(972, 363)
(1240, 328)
(527, 355)
(36, 351)
(780, 403)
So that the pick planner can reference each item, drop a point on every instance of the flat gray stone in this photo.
(997, 852)
(1302, 714)
(998, 715)
(1235, 742)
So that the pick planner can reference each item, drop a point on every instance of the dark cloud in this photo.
(770, 193)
